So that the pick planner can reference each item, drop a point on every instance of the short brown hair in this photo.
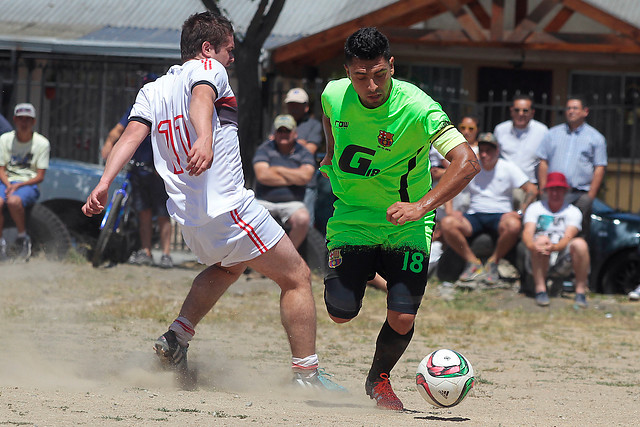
(201, 27)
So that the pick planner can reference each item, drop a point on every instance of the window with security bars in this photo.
(442, 83)
(614, 109)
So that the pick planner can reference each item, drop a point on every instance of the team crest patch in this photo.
(385, 138)
(335, 258)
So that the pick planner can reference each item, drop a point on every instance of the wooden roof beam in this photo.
(407, 12)
(529, 24)
(616, 24)
(497, 19)
(480, 14)
(559, 20)
(521, 11)
(471, 28)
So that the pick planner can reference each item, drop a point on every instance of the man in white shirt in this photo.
(550, 234)
(24, 160)
(520, 137)
(490, 210)
(191, 113)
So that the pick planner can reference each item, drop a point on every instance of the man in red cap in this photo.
(550, 230)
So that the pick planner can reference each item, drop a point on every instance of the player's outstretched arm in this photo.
(133, 135)
(464, 166)
(200, 157)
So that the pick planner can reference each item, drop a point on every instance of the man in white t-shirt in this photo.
(490, 210)
(191, 113)
(24, 159)
(550, 230)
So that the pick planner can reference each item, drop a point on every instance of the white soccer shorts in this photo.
(234, 237)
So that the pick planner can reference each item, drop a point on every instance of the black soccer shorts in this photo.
(350, 267)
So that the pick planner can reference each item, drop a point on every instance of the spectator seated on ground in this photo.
(24, 159)
(550, 234)
(283, 167)
(490, 211)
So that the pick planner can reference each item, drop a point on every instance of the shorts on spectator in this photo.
(484, 222)
(282, 210)
(29, 194)
(148, 192)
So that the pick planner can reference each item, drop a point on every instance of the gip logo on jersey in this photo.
(385, 138)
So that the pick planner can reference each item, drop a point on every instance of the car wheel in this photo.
(48, 233)
(621, 273)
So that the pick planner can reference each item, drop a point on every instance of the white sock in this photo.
(309, 363)
(184, 330)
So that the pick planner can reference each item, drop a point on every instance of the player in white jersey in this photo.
(191, 114)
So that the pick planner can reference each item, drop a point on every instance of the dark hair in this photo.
(579, 97)
(202, 27)
(472, 117)
(366, 43)
(523, 97)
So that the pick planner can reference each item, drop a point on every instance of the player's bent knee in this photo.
(340, 310)
(338, 319)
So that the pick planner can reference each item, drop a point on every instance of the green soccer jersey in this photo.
(381, 156)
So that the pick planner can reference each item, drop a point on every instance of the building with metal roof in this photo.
(79, 61)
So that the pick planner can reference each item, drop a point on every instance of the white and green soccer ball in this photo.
(444, 378)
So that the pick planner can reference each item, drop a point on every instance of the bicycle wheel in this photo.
(107, 230)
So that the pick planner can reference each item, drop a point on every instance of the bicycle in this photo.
(119, 219)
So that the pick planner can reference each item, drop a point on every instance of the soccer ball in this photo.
(444, 378)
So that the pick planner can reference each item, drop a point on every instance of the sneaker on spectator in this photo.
(166, 261)
(381, 391)
(542, 299)
(472, 271)
(492, 274)
(23, 244)
(140, 258)
(580, 300)
(634, 295)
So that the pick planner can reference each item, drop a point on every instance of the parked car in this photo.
(56, 222)
(614, 246)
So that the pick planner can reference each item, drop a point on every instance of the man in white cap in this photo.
(283, 168)
(24, 159)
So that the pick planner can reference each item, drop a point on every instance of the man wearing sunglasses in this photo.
(520, 137)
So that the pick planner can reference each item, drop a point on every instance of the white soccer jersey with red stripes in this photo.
(164, 106)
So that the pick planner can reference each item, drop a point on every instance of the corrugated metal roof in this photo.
(78, 18)
(113, 24)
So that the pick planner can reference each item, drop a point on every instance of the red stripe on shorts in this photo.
(249, 230)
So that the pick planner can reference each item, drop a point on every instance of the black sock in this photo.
(390, 346)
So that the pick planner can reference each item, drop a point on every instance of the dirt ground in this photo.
(78, 351)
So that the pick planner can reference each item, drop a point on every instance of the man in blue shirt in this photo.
(148, 194)
(578, 151)
(5, 126)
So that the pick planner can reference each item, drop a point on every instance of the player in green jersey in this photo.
(379, 131)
